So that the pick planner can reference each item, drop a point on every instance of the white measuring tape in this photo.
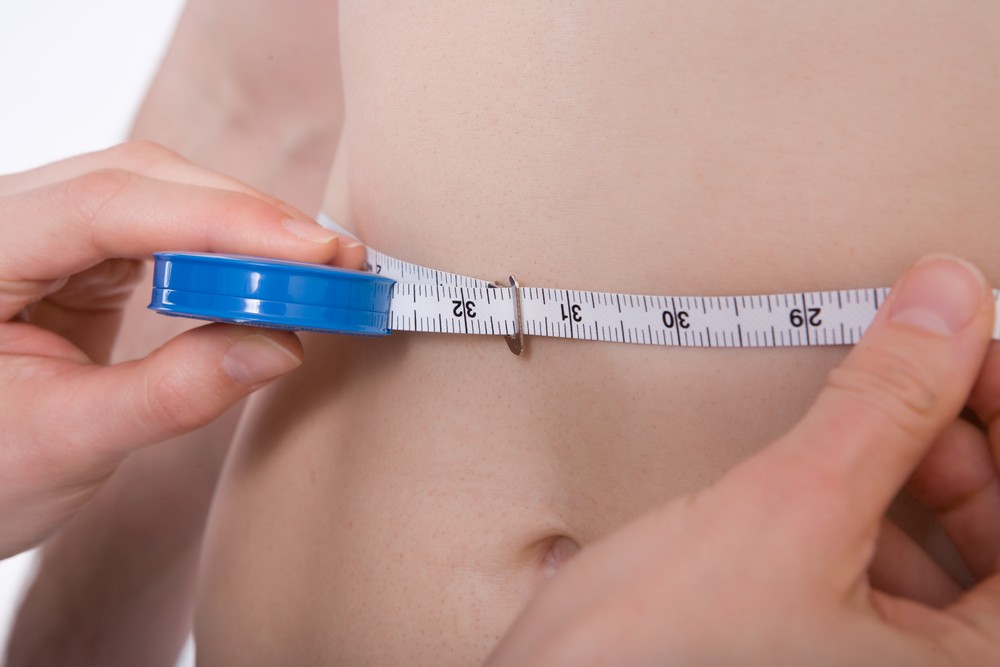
(425, 299)
(394, 295)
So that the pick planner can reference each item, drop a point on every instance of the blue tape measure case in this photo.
(271, 293)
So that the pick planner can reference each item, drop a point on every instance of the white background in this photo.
(72, 73)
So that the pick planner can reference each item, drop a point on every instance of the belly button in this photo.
(560, 549)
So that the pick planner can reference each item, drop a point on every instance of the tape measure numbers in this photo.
(394, 295)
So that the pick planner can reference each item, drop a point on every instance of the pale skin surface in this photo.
(116, 586)
(664, 150)
(393, 502)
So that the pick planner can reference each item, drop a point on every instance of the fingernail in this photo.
(347, 243)
(256, 358)
(310, 231)
(940, 295)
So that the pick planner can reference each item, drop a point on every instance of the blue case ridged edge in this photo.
(271, 293)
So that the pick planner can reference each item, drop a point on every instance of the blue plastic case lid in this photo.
(271, 293)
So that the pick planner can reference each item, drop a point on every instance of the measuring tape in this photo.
(394, 295)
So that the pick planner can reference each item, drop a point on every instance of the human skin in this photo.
(736, 574)
(63, 284)
(396, 500)
(69, 419)
(116, 586)
(671, 149)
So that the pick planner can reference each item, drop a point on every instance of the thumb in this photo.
(181, 386)
(907, 379)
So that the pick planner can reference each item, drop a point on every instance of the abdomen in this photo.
(392, 501)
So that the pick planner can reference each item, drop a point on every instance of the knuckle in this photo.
(893, 385)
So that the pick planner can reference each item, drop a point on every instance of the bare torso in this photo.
(396, 500)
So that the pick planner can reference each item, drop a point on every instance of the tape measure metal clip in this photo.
(515, 341)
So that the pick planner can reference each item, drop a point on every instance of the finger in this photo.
(985, 398)
(985, 403)
(980, 607)
(24, 340)
(896, 391)
(901, 567)
(145, 158)
(350, 254)
(183, 385)
(155, 161)
(957, 480)
(88, 309)
(70, 226)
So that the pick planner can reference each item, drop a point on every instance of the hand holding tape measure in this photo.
(769, 566)
(72, 235)
(766, 566)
